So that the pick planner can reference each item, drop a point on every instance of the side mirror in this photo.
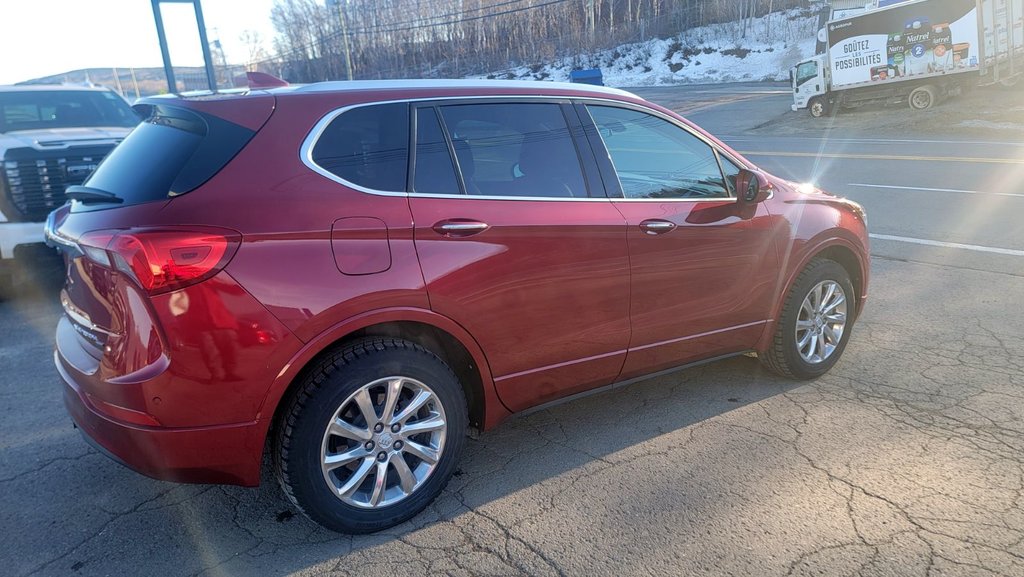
(752, 187)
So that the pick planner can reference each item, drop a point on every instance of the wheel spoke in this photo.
(417, 450)
(357, 477)
(341, 428)
(802, 343)
(829, 290)
(431, 423)
(336, 460)
(379, 484)
(802, 324)
(365, 405)
(394, 391)
(831, 334)
(813, 346)
(405, 476)
(836, 318)
(820, 341)
(838, 300)
(412, 408)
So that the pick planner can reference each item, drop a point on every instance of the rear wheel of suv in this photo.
(815, 323)
(371, 436)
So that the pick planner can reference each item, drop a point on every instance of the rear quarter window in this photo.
(367, 146)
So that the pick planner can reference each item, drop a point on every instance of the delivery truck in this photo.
(915, 52)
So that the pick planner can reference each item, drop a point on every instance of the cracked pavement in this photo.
(905, 460)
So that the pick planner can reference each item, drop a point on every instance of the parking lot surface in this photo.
(907, 459)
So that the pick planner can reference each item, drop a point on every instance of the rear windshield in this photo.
(34, 109)
(171, 152)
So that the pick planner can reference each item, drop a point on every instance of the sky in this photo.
(45, 37)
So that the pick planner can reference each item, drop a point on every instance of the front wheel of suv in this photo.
(371, 436)
(815, 323)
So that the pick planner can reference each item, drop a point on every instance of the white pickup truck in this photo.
(50, 137)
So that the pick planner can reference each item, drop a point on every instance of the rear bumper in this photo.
(228, 454)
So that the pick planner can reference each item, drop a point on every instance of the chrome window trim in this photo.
(309, 143)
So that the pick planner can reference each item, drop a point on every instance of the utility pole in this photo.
(117, 81)
(344, 36)
(135, 82)
(590, 20)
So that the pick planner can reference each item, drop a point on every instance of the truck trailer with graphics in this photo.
(915, 52)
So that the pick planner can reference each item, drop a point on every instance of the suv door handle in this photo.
(656, 226)
(458, 227)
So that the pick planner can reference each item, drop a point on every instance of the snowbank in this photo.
(708, 54)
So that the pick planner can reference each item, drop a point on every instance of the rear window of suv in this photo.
(41, 109)
(173, 151)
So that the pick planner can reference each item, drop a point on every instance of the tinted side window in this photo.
(655, 158)
(517, 149)
(367, 146)
(434, 171)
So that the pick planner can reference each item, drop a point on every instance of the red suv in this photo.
(350, 274)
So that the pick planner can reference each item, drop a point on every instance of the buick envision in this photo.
(351, 274)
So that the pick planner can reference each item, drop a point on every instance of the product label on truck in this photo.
(914, 39)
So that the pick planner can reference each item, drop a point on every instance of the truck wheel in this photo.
(819, 106)
(923, 97)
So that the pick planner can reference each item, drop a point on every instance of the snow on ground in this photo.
(708, 54)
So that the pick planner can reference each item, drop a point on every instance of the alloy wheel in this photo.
(383, 442)
(821, 322)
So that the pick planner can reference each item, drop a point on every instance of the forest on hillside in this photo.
(454, 38)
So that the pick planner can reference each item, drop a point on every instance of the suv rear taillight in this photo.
(164, 259)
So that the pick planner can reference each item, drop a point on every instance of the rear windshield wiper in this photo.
(87, 194)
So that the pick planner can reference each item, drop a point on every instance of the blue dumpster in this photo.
(591, 76)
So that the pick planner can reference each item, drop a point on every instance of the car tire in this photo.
(805, 344)
(331, 470)
(923, 97)
(819, 107)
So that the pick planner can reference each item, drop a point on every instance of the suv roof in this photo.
(517, 86)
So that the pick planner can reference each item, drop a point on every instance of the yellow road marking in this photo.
(886, 157)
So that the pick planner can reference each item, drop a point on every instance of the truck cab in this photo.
(810, 85)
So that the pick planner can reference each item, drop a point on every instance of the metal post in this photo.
(172, 84)
(211, 76)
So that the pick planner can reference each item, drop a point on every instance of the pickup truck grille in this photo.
(34, 181)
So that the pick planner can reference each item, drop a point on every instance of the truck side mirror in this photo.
(752, 187)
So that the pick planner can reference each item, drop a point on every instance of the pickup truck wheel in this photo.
(819, 107)
(371, 436)
(815, 322)
(923, 97)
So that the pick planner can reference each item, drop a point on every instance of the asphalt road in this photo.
(905, 460)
